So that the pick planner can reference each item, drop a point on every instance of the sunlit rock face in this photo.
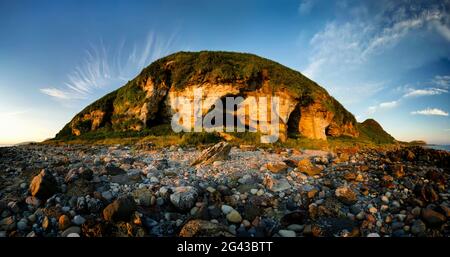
(199, 98)
(272, 98)
(91, 121)
(313, 121)
(316, 122)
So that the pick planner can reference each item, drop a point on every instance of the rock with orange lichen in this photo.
(307, 167)
(204, 228)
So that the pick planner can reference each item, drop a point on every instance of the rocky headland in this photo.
(156, 182)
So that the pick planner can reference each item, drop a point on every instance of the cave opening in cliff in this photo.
(328, 130)
(161, 116)
(294, 121)
(228, 114)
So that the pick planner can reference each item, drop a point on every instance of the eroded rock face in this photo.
(154, 94)
(345, 129)
(89, 121)
(152, 98)
(317, 122)
(314, 120)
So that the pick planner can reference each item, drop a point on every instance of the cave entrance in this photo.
(328, 130)
(228, 115)
(293, 122)
(162, 115)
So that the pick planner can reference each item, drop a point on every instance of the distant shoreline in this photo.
(22, 143)
(438, 147)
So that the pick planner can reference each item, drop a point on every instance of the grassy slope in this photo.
(370, 130)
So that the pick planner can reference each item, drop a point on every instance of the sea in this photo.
(3, 145)
(439, 147)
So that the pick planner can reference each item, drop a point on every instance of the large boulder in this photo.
(433, 218)
(184, 197)
(120, 209)
(43, 185)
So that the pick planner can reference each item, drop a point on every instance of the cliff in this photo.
(148, 100)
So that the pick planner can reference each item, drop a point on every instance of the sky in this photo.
(387, 60)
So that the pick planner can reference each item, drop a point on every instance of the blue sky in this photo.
(387, 60)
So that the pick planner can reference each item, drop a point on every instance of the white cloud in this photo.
(337, 44)
(388, 105)
(443, 30)
(384, 105)
(341, 44)
(105, 66)
(57, 93)
(431, 111)
(313, 67)
(401, 27)
(425, 92)
(354, 93)
(443, 81)
(411, 92)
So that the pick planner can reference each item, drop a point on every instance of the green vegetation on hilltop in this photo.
(182, 68)
(129, 95)
(341, 115)
(371, 130)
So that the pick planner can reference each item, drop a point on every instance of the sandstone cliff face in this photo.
(154, 97)
(207, 95)
(314, 120)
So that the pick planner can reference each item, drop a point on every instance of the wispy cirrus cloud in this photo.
(60, 94)
(343, 43)
(430, 112)
(425, 92)
(442, 80)
(105, 66)
(438, 85)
